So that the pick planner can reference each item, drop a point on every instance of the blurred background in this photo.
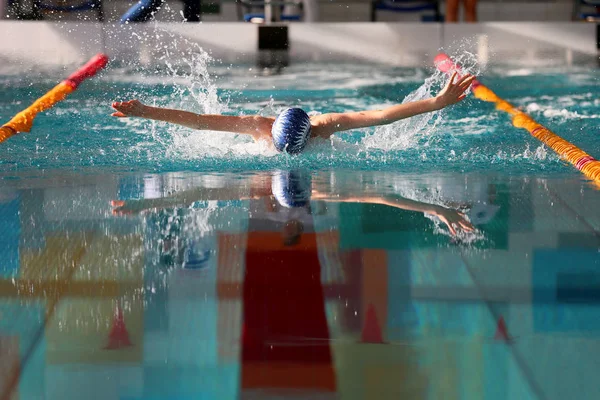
(309, 10)
(408, 33)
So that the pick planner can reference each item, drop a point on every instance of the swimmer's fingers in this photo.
(123, 110)
(463, 79)
(466, 226)
(463, 84)
(466, 82)
(128, 108)
(464, 223)
(451, 228)
(120, 107)
(451, 81)
(448, 223)
(455, 220)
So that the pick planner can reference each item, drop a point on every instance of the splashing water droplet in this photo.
(406, 133)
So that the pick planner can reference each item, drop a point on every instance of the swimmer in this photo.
(323, 126)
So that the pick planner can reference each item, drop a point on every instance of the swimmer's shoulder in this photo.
(322, 126)
(263, 126)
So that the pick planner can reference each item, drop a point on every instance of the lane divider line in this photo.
(23, 121)
(584, 162)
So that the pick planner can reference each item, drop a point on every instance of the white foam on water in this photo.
(471, 120)
(518, 72)
(561, 113)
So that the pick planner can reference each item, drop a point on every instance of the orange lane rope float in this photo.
(585, 163)
(23, 121)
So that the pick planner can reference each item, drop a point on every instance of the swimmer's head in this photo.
(292, 188)
(291, 130)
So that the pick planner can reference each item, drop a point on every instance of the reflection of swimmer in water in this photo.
(288, 196)
(324, 125)
(476, 197)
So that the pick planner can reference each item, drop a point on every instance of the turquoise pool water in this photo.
(141, 261)
(471, 136)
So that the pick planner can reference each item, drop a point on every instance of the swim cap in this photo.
(291, 130)
(292, 188)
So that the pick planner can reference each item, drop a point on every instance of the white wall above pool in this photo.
(45, 44)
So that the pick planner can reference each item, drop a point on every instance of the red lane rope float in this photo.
(584, 162)
(23, 121)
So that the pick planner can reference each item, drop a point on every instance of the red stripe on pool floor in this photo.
(285, 335)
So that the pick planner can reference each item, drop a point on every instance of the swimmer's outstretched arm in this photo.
(327, 124)
(258, 127)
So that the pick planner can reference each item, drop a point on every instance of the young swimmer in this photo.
(323, 126)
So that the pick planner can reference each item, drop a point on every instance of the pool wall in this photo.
(402, 44)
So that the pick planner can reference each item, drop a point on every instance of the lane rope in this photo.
(584, 162)
(23, 121)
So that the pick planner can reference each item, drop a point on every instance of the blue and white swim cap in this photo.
(292, 188)
(291, 130)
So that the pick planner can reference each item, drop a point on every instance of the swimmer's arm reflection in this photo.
(186, 198)
(452, 218)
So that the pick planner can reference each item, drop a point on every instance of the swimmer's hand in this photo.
(454, 91)
(131, 108)
(453, 219)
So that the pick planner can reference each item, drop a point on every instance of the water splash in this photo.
(406, 133)
(194, 89)
(193, 81)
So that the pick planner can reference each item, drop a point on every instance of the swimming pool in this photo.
(202, 285)
(468, 137)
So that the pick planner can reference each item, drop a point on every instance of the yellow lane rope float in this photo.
(23, 121)
(587, 164)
